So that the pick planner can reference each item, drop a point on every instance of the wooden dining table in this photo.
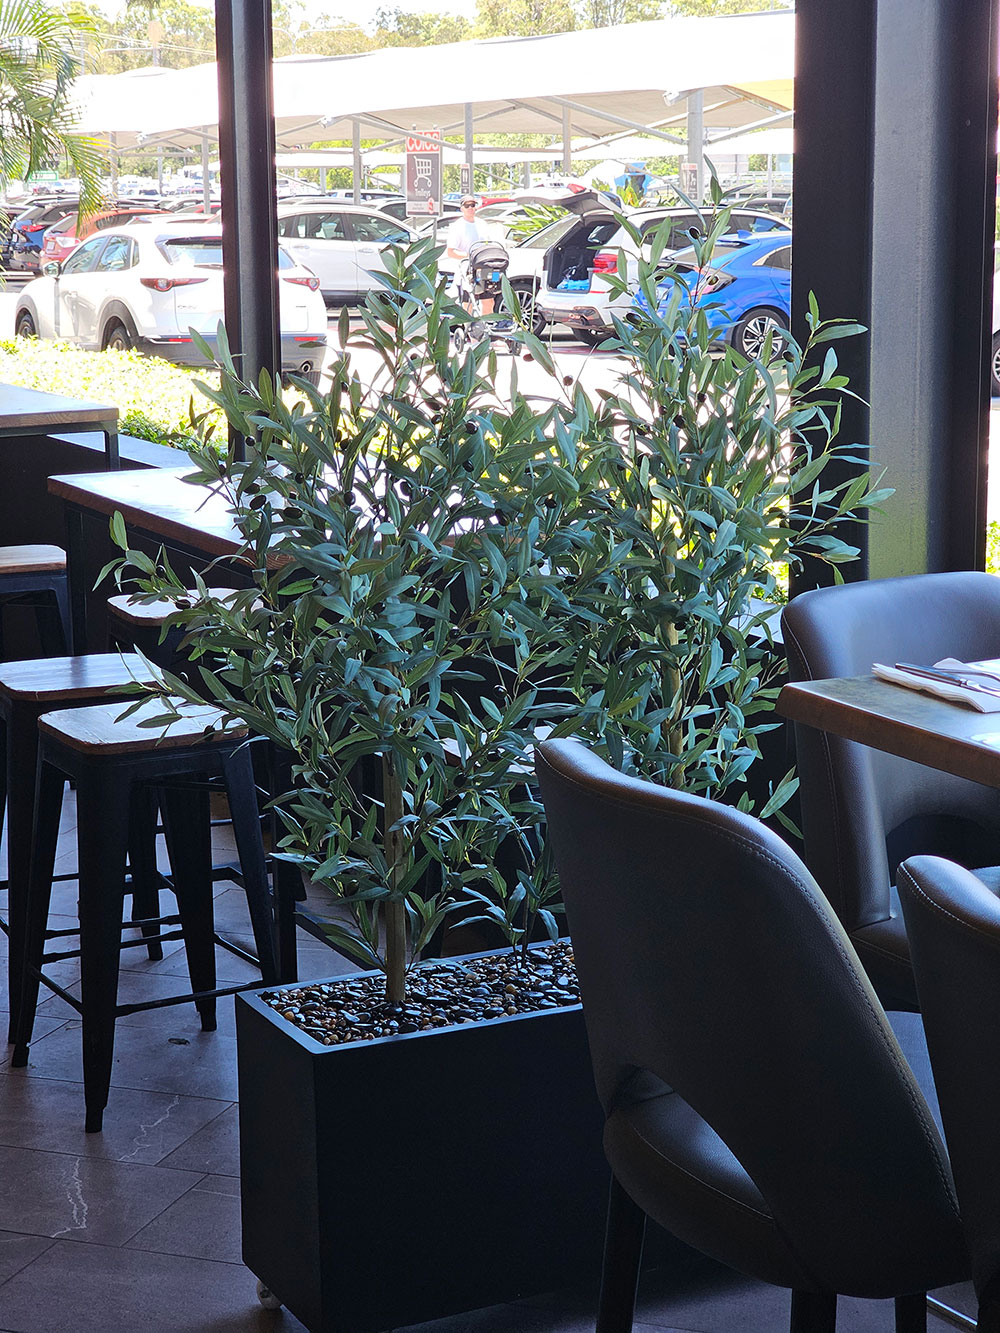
(155, 503)
(35, 412)
(948, 736)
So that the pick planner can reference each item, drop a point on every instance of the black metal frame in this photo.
(247, 177)
(895, 179)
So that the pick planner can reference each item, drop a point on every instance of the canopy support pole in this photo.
(249, 221)
(567, 141)
(468, 144)
(356, 157)
(113, 166)
(206, 184)
(696, 141)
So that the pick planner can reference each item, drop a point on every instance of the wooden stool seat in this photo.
(149, 614)
(52, 680)
(31, 559)
(37, 575)
(102, 731)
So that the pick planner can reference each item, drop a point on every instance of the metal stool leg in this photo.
(237, 770)
(103, 806)
(145, 877)
(622, 1256)
(34, 909)
(189, 844)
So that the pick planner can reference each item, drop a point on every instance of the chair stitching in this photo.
(922, 897)
(683, 1170)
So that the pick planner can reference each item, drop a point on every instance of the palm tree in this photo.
(37, 65)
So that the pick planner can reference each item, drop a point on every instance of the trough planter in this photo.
(410, 1177)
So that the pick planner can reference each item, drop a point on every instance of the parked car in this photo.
(575, 291)
(24, 247)
(744, 288)
(149, 283)
(341, 243)
(62, 238)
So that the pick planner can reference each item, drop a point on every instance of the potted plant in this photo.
(429, 567)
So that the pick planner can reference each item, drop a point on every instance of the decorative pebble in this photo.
(440, 994)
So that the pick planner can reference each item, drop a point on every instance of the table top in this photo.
(158, 501)
(932, 731)
(25, 409)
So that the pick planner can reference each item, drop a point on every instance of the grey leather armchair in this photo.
(864, 812)
(953, 924)
(757, 1103)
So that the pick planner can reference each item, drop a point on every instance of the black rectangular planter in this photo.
(411, 1177)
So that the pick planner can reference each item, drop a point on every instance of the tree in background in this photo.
(393, 27)
(523, 18)
(37, 63)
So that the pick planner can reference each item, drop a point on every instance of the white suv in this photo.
(342, 243)
(148, 284)
(575, 291)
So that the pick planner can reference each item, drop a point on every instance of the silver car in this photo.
(341, 243)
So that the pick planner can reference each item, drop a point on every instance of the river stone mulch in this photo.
(439, 994)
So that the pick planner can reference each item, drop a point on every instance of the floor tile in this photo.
(98, 1289)
(215, 1150)
(204, 1223)
(16, 1252)
(61, 1195)
(164, 1055)
(138, 1126)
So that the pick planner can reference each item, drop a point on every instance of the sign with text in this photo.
(423, 174)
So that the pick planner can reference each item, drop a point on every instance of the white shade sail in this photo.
(599, 81)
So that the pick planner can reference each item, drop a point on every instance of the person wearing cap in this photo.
(464, 233)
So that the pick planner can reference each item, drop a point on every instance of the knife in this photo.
(949, 677)
(943, 671)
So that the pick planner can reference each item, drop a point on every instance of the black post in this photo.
(831, 247)
(249, 217)
(895, 180)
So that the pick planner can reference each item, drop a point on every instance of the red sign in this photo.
(427, 142)
(423, 173)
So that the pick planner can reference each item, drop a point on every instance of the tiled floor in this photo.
(137, 1228)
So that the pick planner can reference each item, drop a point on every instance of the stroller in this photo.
(481, 276)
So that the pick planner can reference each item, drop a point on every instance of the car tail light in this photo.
(168, 284)
(606, 261)
(310, 280)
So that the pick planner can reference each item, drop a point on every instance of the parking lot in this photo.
(576, 363)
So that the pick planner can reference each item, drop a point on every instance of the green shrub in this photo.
(155, 399)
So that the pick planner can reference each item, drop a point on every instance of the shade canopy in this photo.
(597, 82)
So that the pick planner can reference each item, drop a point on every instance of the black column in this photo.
(895, 178)
(932, 277)
(246, 154)
(832, 220)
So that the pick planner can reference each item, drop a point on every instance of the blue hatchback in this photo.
(744, 288)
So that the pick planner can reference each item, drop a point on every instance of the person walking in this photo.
(462, 235)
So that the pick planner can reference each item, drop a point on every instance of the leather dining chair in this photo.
(953, 924)
(757, 1103)
(864, 812)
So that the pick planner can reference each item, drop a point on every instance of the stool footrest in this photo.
(139, 1007)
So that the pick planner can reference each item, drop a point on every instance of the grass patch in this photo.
(155, 400)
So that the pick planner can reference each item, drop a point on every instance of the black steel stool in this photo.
(27, 690)
(33, 571)
(111, 760)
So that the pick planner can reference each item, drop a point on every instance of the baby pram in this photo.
(479, 277)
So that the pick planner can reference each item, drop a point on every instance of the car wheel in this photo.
(526, 293)
(24, 325)
(750, 332)
(118, 338)
(995, 366)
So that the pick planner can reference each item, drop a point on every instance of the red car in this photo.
(63, 238)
